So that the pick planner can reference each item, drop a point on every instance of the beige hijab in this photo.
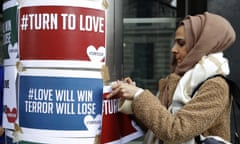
(206, 33)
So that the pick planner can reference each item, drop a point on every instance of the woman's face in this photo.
(179, 49)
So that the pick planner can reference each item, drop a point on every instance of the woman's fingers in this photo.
(115, 89)
(128, 80)
(124, 89)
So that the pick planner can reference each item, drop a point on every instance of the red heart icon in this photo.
(11, 114)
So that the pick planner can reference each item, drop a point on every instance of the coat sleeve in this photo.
(193, 119)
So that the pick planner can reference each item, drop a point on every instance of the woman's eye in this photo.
(181, 42)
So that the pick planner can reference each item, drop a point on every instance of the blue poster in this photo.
(60, 103)
(2, 139)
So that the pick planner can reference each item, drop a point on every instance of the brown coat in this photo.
(207, 113)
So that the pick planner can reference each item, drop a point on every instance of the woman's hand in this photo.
(124, 89)
(128, 80)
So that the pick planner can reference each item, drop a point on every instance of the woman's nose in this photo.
(174, 48)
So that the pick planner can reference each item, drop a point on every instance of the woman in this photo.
(197, 53)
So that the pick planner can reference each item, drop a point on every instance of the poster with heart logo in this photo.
(10, 33)
(10, 115)
(117, 128)
(60, 103)
(71, 30)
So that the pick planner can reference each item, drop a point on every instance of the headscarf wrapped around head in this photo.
(204, 34)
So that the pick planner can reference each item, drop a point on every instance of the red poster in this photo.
(117, 127)
(62, 33)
